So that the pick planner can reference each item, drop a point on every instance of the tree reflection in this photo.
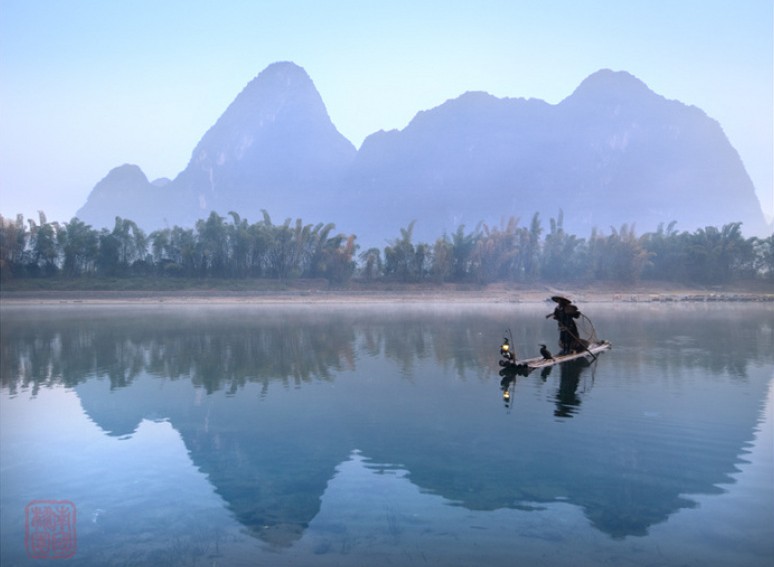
(218, 353)
(229, 350)
(225, 352)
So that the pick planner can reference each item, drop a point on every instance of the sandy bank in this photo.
(407, 294)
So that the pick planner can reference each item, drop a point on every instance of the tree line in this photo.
(232, 247)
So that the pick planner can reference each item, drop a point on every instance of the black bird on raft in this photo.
(546, 353)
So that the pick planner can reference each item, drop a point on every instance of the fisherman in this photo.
(565, 314)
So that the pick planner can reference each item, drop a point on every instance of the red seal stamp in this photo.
(49, 529)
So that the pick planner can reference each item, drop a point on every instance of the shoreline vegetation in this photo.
(230, 259)
(164, 291)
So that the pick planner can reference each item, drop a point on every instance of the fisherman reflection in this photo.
(567, 399)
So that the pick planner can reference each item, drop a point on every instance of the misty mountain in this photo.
(274, 148)
(612, 152)
(125, 191)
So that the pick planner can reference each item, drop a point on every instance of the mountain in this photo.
(125, 191)
(612, 152)
(646, 159)
(273, 148)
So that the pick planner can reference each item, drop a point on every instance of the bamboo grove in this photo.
(232, 247)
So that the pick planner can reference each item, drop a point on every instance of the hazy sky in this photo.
(86, 86)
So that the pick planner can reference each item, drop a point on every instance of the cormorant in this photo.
(546, 353)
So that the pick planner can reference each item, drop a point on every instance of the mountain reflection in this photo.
(269, 402)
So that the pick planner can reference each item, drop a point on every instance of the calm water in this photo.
(248, 435)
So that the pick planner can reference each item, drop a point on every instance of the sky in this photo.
(88, 85)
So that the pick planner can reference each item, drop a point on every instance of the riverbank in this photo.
(321, 292)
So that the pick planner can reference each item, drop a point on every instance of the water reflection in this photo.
(567, 396)
(216, 353)
(269, 403)
(567, 399)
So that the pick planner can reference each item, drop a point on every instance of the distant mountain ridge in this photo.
(275, 140)
(612, 152)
